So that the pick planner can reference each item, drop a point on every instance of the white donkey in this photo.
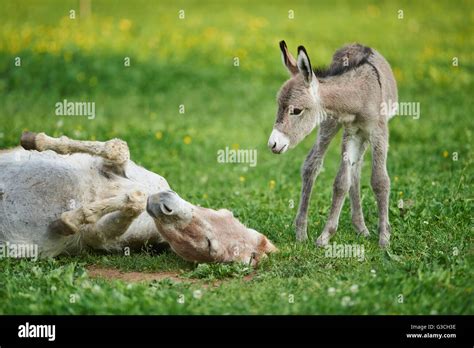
(352, 92)
(90, 195)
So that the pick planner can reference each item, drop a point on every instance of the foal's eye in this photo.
(295, 111)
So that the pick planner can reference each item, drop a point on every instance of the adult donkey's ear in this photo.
(304, 65)
(288, 60)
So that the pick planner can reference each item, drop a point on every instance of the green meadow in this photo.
(205, 79)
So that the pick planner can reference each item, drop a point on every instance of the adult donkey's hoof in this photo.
(28, 140)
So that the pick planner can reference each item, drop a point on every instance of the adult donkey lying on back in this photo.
(351, 93)
(89, 194)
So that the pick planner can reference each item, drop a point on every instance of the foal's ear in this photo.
(304, 64)
(288, 60)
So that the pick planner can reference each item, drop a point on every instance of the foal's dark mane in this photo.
(356, 55)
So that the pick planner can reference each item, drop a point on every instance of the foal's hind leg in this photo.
(115, 152)
(357, 147)
(380, 181)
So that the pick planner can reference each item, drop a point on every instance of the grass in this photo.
(428, 269)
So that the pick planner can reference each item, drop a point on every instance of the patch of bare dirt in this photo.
(135, 277)
(131, 277)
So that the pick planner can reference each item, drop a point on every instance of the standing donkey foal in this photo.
(350, 93)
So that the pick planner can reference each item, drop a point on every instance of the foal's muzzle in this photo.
(278, 142)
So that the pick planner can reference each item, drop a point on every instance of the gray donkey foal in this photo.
(351, 93)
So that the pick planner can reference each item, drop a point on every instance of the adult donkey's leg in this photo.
(311, 168)
(380, 180)
(102, 220)
(115, 152)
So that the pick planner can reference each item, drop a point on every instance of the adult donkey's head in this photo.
(299, 106)
(205, 235)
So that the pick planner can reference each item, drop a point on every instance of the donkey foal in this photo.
(350, 93)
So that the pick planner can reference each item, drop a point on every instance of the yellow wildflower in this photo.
(125, 24)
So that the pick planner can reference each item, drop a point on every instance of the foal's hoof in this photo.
(363, 232)
(301, 229)
(322, 240)
(28, 140)
(384, 243)
(360, 227)
(301, 238)
(301, 235)
(384, 240)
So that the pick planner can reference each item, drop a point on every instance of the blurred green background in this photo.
(190, 62)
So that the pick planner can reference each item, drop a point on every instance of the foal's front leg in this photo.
(341, 186)
(311, 168)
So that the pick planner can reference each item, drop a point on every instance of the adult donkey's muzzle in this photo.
(167, 203)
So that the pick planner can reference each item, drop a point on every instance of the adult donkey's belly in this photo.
(35, 188)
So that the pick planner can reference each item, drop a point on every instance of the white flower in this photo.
(331, 291)
(197, 294)
(354, 288)
(346, 301)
